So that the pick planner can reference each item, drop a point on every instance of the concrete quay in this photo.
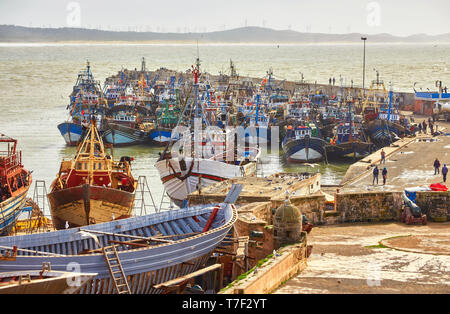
(360, 258)
(409, 163)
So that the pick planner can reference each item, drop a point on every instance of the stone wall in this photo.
(311, 206)
(436, 205)
(368, 207)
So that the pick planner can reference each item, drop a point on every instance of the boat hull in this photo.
(87, 204)
(71, 132)
(10, 209)
(262, 136)
(343, 149)
(161, 136)
(381, 132)
(144, 267)
(122, 135)
(180, 180)
(54, 282)
(304, 150)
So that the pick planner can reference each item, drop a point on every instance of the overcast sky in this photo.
(397, 17)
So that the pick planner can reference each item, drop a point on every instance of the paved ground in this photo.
(349, 259)
(409, 166)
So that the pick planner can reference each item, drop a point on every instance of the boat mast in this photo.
(390, 102)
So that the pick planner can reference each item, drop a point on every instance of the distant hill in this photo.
(11, 33)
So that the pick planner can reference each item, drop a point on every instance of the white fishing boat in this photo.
(207, 158)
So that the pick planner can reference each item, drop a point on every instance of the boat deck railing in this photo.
(9, 161)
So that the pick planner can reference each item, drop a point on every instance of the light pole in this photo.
(364, 64)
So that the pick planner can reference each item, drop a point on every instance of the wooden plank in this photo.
(131, 243)
(186, 277)
(128, 236)
(32, 251)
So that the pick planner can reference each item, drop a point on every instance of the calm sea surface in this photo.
(35, 81)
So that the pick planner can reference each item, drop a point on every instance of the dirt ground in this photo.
(349, 258)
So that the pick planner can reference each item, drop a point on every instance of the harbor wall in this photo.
(375, 207)
(273, 272)
(436, 205)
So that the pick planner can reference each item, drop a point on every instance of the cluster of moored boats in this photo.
(212, 129)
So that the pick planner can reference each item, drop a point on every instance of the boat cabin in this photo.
(14, 179)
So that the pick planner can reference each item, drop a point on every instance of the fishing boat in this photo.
(131, 255)
(127, 123)
(389, 126)
(257, 125)
(91, 187)
(348, 136)
(166, 120)
(303, 143)
(204, 158)
(15, 182)
(86, 100)
(45, 281)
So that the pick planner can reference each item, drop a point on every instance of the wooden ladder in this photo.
(116, 270)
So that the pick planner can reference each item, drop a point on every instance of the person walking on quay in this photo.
(383, 157)
(420, 128)
(424, 125)
(436, 165)
(384, 174)
(431, 127)
(375, 175)
(444, 172)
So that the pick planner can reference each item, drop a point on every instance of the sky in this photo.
(396, 17)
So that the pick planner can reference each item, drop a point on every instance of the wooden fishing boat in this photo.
(303, 143)
(167, 118)
(86, 99)
(148, 250)
(204, 158)
(15, 182)
(43, 282)
(92, 187)
(124, 124)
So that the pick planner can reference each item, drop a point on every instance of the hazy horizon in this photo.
(398, 18)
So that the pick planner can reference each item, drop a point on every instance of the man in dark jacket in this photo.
(436, 164)
(444, 172)
(424, 125)
(375, 175)
(384, 174)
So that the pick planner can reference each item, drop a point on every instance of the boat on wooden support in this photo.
(92, 187)
(44, 281)
(15, 181)
(151, 249)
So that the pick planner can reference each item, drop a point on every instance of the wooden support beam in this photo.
(186, 277)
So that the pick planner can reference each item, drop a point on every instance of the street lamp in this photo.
(364, 64)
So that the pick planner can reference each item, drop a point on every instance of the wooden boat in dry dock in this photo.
(15, 182)
(92, 187)
(45, 281)
(148, 250)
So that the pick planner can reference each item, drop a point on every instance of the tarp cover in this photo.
(438, 187)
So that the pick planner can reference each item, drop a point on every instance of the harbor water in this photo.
(36, 79)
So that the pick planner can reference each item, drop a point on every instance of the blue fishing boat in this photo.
(15, 182)
(348, 137)
(127, 123)
(166, 120)
(148, 250)
(303, 143)
(86, 100)
(257, 125)
(389, 126)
